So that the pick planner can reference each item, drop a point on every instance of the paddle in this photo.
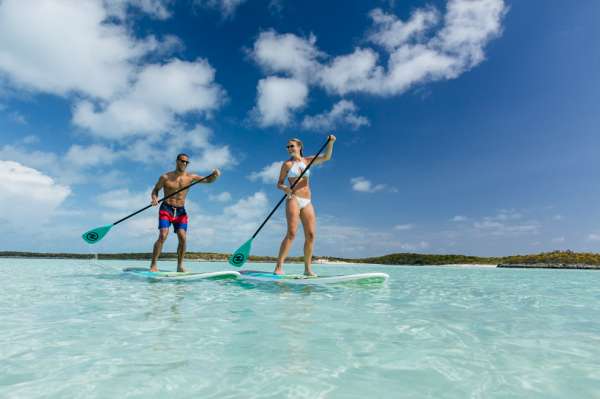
(240, 256)
(95, 235)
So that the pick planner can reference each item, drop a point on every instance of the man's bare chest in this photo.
(175, 183)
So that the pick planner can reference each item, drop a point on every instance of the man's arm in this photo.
(157, 187)
(212, 177)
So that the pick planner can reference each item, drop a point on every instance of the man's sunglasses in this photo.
(183, 161)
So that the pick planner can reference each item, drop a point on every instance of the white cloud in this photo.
(196, 142)
(593, 237)
(363, 185)
(90, 156)
(342, 113)
(153, 103)
(459, 218)
(226, 7)
(415, 53)
(61, 46)
(32, 197)
(391, 33)
(123, 199)
(507, 222)
(558, 240)
(404, 227)
(30, 139)
(269, 174)
(557, 217)
(225, 196)
(277, 98)
(156, 8)
(287, 53)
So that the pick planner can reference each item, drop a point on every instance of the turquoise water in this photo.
(72, 329)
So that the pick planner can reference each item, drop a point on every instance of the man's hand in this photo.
(154, 200)
(215, 174)
(331, 138)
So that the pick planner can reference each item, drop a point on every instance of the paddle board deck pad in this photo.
(300, 279)
(144, 272)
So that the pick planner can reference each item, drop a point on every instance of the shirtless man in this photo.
(172, 209)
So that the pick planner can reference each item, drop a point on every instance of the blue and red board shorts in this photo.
(168, 214)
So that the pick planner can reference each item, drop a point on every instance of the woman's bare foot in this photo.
(153, 268)
(181, 270)
(278, 270)
(309, 273)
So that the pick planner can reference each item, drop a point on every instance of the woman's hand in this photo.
(331, 138)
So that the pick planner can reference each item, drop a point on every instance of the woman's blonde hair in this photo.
(299, 142)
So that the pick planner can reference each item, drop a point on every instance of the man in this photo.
(172, 210)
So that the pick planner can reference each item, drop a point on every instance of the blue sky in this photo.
(464, 126)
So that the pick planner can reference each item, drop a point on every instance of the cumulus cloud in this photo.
(390, 32)
(363, 185)
(61, 46)
(159, 95)
(158, 9)
(195, 142)
(225, 196)
(35, 195)
(91, 155)
(507, 222)
(343, 113)
(427, 47)
(226, 7)
(277, 98)
(287, 53)
(459, 218)
(269, 174)
(593, 237)
(404, 226)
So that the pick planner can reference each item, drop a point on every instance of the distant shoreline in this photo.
(548, 260)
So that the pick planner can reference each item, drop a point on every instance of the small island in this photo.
(545, 260)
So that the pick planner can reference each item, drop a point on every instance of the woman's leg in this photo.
(309, 222)
(292, 216)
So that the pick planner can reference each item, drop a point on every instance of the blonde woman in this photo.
(298, 204)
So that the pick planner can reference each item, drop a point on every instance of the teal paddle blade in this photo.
(240, 256)
(95, 235)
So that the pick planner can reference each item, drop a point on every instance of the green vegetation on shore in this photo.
(552, 258)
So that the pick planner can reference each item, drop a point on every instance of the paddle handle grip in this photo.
(291, 187)
(162, 199)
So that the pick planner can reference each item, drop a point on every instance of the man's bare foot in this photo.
(153, 268)
(278, 270)
(181, 270)
(309, 273)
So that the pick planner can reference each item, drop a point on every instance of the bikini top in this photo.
(297, 168)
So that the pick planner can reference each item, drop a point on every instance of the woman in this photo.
(298, 205)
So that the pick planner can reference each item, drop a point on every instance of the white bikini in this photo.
(295, 172)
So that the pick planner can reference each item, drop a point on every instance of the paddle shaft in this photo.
(291, 188)
(162, 199)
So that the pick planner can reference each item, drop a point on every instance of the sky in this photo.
(463, 126)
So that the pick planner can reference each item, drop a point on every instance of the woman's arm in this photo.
(285, 167)
(328, 152)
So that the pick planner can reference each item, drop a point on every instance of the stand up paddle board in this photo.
(143, 272)
(300, 279)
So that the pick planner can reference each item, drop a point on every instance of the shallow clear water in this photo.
(72, 328)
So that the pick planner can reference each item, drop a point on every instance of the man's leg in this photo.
(162, 236)
(181, 234)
